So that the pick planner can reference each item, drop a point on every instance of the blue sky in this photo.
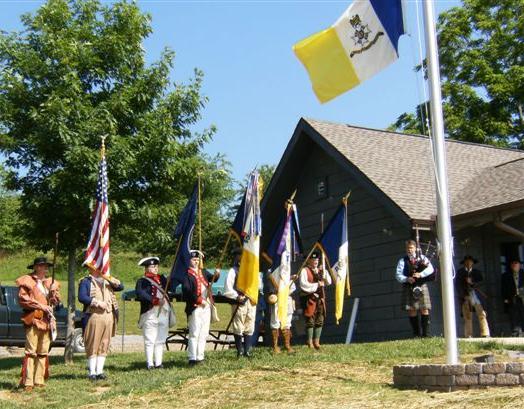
(257, 88)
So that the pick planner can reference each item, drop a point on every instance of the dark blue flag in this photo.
(184, 234)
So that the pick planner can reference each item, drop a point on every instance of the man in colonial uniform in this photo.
(467, 282)
(37, 295)
(411, 271)
(313, 281)
(100, 318)
(154, 311)
(512, 286)
(242, 310)
(196, 292)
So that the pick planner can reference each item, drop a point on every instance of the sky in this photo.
(257, 88)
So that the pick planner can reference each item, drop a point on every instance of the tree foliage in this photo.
(481, 47)
(75, 73)
(11, 225)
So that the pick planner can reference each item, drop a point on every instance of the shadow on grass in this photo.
(10, 363)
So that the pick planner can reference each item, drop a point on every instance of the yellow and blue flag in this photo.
(334, 244)
(248, 272)
(362, 42)
(284, 246)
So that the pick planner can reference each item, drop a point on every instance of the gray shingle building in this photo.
(390, 176)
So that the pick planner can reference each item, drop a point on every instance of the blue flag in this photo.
(238, 224)
(334, 245)
(284, 246)
(288, 225)
(184, 233)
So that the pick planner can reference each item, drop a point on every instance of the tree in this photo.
(481, 47)
(78, 72)
(11, 225)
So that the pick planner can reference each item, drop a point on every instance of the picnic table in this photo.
(216, 337)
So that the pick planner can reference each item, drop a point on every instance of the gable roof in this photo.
(401, 166)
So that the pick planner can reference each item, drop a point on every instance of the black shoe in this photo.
(101, 377)
(201, 361)
(192, 362)
(92, 378)
(159, 366)
(150, 367)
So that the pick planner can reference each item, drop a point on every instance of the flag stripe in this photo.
(97, 252)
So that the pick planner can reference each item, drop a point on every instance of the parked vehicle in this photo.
(12, 331)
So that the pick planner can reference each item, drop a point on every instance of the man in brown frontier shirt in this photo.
(37, 295)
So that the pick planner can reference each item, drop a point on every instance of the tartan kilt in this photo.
(408, 301)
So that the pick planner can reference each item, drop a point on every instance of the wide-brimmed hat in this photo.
(468, 257)
(149, 261)
(39, 260)
(315, 255)
(196, 254)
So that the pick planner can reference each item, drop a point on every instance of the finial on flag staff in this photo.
(103, 147)
(346, 197)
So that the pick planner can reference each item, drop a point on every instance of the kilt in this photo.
(408, 301)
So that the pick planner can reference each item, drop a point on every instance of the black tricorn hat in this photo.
(149, 261)
(196, 254)
(515, 260)
(39, 260)
(315, 255)
(468, 257)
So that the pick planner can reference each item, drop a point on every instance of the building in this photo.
(390, 176)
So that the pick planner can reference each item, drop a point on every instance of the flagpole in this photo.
(443, 213)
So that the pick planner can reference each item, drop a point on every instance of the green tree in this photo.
(11, 225)
(481, 47)
(75, 73)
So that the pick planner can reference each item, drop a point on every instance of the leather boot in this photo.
(287, 341)
(316, 343)
(276, 348)
(247, 346)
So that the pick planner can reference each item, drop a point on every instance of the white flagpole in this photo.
(443, 214)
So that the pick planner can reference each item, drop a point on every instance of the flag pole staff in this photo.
(223, 253)
(443, 213)
(201, 262)
(345, 200)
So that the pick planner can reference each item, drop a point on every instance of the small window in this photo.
(322, 189)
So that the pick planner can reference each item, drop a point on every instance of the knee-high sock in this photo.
(247, 344)
(238, 344)
(159, 351)
(100, 361)
(425, 325)
(91, 363)
(317, 332)
(415, 325)
(309, 333)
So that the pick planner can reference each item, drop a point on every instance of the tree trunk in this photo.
(71, 267)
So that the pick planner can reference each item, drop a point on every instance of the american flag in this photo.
(97, 253)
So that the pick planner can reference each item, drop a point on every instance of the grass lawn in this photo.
(356, 376)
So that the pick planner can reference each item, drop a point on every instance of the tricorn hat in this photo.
(149, 261)
(196, 254)
(315, 255)
(469, 257)
(39, 260)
